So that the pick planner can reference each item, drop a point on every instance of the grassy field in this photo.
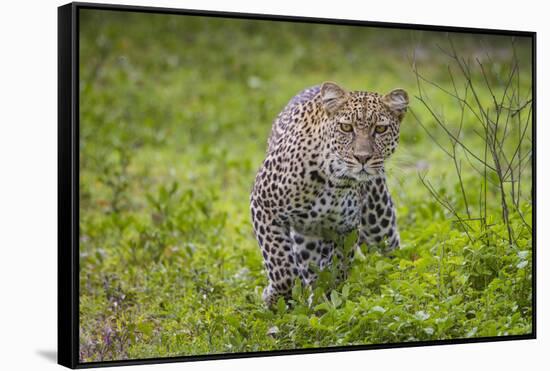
(175, 114)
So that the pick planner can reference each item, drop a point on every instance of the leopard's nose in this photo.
(363, 158)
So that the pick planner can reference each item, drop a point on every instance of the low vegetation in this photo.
(175, 114)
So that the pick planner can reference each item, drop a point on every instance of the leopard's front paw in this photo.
(269, 296)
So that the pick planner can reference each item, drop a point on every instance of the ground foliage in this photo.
(175, 113)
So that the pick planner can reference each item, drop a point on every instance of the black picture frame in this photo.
(68, 181)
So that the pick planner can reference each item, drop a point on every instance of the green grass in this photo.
(175, 114)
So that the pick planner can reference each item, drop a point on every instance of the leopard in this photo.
(323, 177)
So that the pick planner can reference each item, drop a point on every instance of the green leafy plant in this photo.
(173, 128)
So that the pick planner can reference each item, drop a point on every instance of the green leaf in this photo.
(421, 315)
(322, 307)
(378, 309)
(335, 299)
(351, 240)
(146, 328)
(382, 266)
(472, 332)
(523, 254)
(281, 305)
(345, 291)
(315, 323)
(522, 264)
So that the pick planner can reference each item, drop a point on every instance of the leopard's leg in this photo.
(379, 219)
(311, 251)
(318, 252)
(279, 259)
(344, 262)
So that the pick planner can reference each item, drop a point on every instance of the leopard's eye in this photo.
(345, 127)
(380, 129)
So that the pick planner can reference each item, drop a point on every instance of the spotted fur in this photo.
(323, 175)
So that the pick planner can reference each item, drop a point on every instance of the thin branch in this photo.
(446, 204)
(442, 125)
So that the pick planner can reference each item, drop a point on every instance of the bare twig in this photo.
(501, 161)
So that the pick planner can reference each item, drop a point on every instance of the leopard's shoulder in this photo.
(301, 107)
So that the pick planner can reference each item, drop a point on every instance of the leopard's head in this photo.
(361, 130)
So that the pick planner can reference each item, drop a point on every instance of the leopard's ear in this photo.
(397, 102)
(333, 97)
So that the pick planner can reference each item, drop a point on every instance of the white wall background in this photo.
(28, 182)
